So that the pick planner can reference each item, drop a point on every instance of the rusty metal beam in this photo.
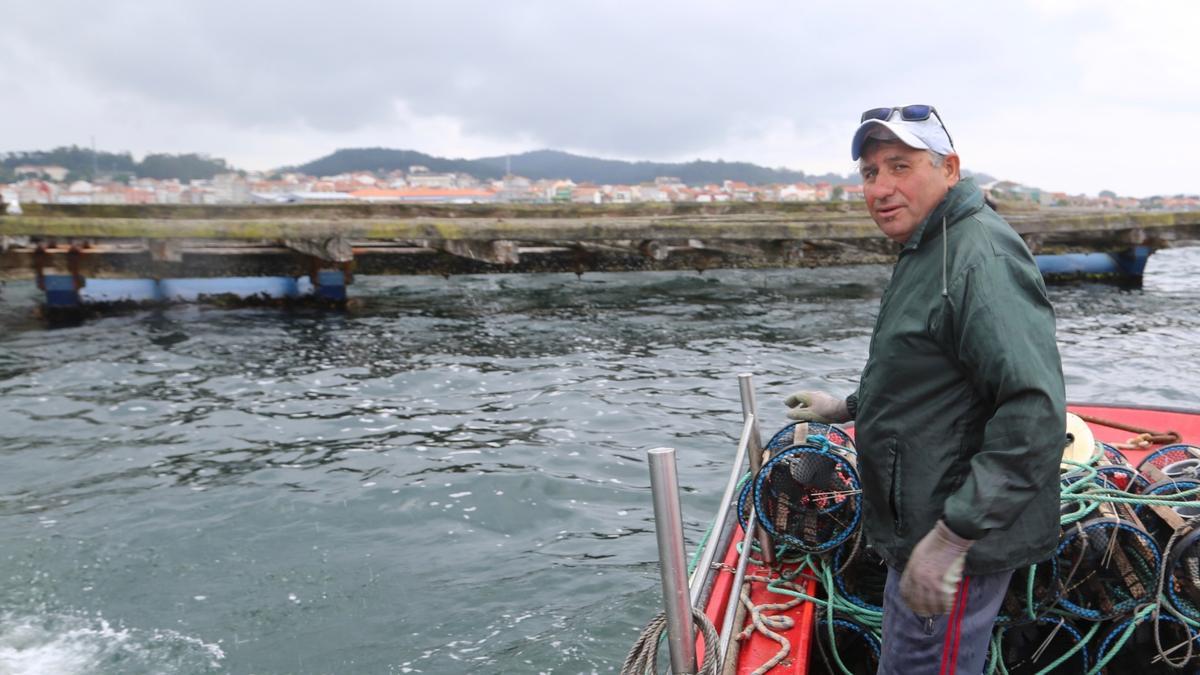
(215, 261)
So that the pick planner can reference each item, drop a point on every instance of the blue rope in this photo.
(820, 446)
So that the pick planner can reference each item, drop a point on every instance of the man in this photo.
(960, 409)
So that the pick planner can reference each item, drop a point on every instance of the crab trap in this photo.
(808, 496)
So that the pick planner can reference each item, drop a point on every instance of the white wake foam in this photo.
(66, 644)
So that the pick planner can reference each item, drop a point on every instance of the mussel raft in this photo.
(1120, 595)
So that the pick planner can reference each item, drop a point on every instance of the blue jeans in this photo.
(949, 644)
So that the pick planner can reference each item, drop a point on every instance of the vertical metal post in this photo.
(755, 450)
(746, 389)
(668, 526)
(728, 629)
(702, 575)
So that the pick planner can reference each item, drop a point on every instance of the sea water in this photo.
(449, 478)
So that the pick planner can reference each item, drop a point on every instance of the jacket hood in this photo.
(961, 201)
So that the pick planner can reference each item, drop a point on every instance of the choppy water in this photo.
(448, 480)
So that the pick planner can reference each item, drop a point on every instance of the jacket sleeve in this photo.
(1002, 328)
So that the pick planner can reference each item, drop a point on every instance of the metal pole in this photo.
(746, 389)
(750, 413)
(668, 526)
(735, 592)
(704, 567)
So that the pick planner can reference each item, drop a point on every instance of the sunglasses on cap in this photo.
(908, 113)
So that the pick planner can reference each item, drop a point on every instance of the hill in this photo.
(83, 163)
(541, 164)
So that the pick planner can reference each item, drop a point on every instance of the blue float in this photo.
(331, 285)
(120, 290)
(61, 291)
(1127, 265)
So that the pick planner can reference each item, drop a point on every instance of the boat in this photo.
(1130, 476)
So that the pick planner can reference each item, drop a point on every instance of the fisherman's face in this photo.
(902, 186)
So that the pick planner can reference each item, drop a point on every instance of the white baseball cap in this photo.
(917, 126)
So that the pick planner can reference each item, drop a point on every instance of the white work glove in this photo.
(817, 406)
(933, 572)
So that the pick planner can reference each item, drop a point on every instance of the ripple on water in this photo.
(450, 479)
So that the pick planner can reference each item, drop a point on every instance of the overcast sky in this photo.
(1065, 95)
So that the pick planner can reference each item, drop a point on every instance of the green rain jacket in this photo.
(960, 410)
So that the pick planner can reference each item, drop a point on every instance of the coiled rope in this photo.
(643, 658)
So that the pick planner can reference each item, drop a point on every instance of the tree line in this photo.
(86, 164)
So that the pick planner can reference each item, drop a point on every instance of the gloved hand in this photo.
(817, 406)
(934, 570)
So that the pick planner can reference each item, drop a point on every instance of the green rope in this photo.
(1090, 495)
(700, 548)
(833, 603)
(1029, 592)
(1085, 491)
(995, 663)
(1114, 499)
(1137, 619)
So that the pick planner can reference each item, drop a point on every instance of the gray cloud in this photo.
(625, 77)
(647, 80)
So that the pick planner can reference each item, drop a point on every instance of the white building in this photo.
(55, 173)
(419, 176)
(800, 192)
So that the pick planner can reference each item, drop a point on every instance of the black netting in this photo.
(860, 578)
(1113, 470)
(1106, 566)
(1031, 647)
(808, 498)
(1154, 523)
(1183, 570)
(1137, 654)
(856, 647)
(786, 437)
(1170, 454)
(1021, 606)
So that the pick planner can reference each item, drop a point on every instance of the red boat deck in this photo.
(1183, 422)
(759, 649)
